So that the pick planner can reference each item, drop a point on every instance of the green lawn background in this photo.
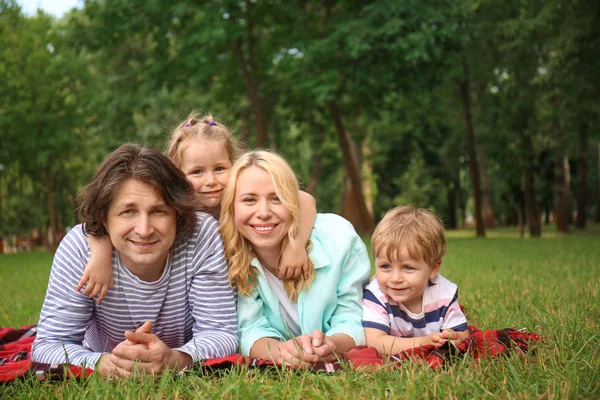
(550, 286)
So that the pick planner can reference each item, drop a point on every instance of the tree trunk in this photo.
(316, 167)
(365, 221)
(531, 206)
(521, 218)
(451, 198)
(462, 202)
(518, 211)
(249, 69)
(598, 187)
(1, 238)
(51, 213)
(245, 125)
(367, 167)
(561, 188)
(1, 171)
(562, 192)
(73, 205)
(488, 212)
(465, 96)
(547, 211)
(583, 176)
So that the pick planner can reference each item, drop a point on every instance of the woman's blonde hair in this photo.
(200, 127)
(238, 249)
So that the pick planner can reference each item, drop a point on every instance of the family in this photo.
(204, 253)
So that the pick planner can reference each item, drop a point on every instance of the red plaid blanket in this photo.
(15, 362)
(480, 344)
(15, 351)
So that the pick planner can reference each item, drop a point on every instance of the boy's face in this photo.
(405, 281)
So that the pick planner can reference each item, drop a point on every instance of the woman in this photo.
(302, 320)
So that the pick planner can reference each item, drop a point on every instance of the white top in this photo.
(288, 310)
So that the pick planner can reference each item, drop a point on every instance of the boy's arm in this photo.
(387, 344)
(294, 259)
(98, 272)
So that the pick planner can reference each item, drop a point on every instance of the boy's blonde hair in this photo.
(417, 230)
(201, 127)
(238, 250)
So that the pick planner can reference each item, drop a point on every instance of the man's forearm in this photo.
(55, 352)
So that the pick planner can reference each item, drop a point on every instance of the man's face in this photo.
(141, 227)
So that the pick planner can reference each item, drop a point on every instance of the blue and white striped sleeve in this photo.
(66, 314)
(211, 298)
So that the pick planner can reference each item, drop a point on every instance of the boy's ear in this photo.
(435, 269)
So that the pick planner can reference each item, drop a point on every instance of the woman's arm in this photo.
(294, 259)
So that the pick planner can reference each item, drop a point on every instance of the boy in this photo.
(408, 303)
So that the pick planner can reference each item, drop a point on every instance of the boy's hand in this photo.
(435, 338)
(455, 337)
(98, 279)
(294, 261)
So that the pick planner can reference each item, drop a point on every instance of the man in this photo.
(171, 304)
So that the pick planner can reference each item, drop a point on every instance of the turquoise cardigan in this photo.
(332, 304)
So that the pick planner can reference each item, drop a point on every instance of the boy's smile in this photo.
(405, 280)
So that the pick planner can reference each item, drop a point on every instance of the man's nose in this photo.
(143, 227)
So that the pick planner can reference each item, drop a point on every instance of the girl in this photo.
(304, 319)
(205, 151)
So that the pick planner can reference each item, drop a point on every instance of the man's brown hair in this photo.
(143, 164)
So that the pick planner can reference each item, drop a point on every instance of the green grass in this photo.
(549, 285)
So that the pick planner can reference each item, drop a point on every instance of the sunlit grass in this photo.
(549, 285)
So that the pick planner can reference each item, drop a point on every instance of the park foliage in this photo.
(487, 109)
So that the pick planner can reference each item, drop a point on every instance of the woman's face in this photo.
(259, 215)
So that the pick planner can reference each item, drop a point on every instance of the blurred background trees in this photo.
(486, 111)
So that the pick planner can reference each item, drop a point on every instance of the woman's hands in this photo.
(304, 349)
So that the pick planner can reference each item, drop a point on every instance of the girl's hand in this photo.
(294, 261)
(98, 271)
(95, 281)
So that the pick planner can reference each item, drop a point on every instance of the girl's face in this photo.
(259, 215)
(206, 165)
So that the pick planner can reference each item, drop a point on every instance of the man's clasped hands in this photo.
(141, 351)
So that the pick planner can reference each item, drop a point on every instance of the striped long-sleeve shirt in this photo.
(191, 305)
(441, 310)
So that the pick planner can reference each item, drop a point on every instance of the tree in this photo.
(43, 89)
